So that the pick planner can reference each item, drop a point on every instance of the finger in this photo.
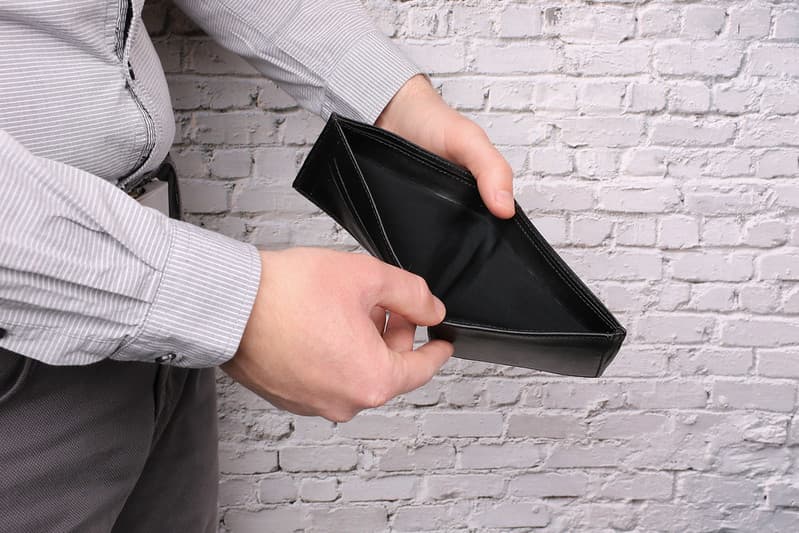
(470, 147)
(412, 369)
(407, 294)
(378, 316)
(399, 333)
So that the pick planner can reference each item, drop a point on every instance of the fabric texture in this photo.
(85, 272)
(108, 447)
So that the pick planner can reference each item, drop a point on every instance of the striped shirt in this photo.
(87, 273)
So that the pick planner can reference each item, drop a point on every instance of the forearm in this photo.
(86, 273)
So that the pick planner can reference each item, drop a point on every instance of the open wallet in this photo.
(510, 298)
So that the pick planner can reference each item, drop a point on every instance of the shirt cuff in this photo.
(367, 78)
(202, 304)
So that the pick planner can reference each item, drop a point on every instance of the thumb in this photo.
(469, 146)
(408, 295)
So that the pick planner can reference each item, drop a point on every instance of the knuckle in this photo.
(376, 397)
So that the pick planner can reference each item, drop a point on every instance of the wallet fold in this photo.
(510, 297)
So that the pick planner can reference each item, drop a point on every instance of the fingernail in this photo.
(504, 198)
(440, 307)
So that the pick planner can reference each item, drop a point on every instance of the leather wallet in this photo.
(510, 298)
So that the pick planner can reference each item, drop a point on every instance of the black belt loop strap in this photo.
(166, 172)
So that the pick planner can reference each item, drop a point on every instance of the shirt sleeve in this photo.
(328, 54)
(86, 273)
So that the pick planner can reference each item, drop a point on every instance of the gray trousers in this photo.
(109, 447)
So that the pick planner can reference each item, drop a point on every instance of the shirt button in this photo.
(166, 357)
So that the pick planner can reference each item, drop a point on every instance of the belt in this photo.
(157, 189)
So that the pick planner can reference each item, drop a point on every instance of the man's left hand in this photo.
(418, 113)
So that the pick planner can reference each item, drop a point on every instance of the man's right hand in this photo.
(315, 342)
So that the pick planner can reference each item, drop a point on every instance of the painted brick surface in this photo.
(656, 144)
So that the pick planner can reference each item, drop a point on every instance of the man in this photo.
(113, 316)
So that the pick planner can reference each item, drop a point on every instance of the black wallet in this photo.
(510, 298)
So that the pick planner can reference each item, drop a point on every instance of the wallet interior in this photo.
(492, 273)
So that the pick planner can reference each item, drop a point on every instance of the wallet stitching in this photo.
(558, 270)
(383, 236)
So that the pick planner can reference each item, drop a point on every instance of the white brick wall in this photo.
(656, 143)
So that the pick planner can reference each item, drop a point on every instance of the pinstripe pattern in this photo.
(87, 273)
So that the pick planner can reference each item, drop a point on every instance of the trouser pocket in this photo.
(14, 371)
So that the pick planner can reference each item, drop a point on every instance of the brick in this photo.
(277, 490)
(544, 426)
(709, 488)
(729, 163)
(555, 96)
(732, 100)
(368, 426)
(638, 486)
(786, 25)
(589, 395)
(645, 97)
(279, 520)
(510, 95)
(681, 329)
(779, 266)
(429, 457)
(678, 232)
(466, 93)
(577, 456)
(463, 394)
(620, 265)
(377, 489)
(700, 60)
(232, 127)
(712, 361)
(517, 58)
(575, 25)
(765, 233)
(462, 486)
(555, 196)
(507, 515)
(318, 459)
(765, 396)
(685, 132)
(550, 161)
(506, 455)
(236, 492)
(430, 517)
(667, 395)
(658, 21)
(606, 60)
(769, 132)
(775, 60)
(234, 163)
(638, 362)
(520, 21)
(595, 163)
(749, 23)
(712, 266)
(473, 424)
(601, 131)
(726, 200)
(512, 129)
(638, 198)
(759, 298)
(783, 495)
(702, 22)
(437, 58)
(590, 231)
(236, 460)
(549, 485)
(778, 363)
(319, 490)
(708, 297)
(598, 97)
(635, 232)
(504, 392)
(625, 426)
(373, 518)
(777, 164)
(204, 196)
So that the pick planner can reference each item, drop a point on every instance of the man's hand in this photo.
(316, 342)
(419, 114)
